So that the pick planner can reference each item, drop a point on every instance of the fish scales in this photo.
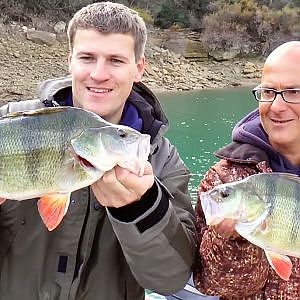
(283, 216)
(31, 158)
(295, 230)
(290, 214)
(280, 196)
(21, 156)
(49, 153)
(37, 160)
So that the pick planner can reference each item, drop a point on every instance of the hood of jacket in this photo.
(155, 122)
(253, 144)
(249, 130)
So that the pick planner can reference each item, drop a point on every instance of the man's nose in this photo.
(278, 103)
(100, 71)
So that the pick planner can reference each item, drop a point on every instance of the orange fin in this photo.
(52, 209)
(280, 263)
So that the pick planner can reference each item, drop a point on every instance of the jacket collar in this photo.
(242, 153)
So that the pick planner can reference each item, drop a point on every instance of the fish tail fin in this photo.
(280, 263)
(52, 209)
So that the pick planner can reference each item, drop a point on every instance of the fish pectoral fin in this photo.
(264, 227)
(280, 263)
(52, 208)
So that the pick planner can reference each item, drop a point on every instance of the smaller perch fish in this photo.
(266, 208)
(49, 153)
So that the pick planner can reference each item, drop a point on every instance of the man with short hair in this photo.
(125, 233)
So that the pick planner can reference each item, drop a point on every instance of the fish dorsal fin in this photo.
(39, 111)
(281, 264)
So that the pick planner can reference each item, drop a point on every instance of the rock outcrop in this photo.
(28, 57)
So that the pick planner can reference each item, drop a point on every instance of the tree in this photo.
(296, 3)
(170, 14)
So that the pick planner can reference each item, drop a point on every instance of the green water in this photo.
(201, 122)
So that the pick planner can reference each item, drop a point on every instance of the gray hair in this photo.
(108, 17)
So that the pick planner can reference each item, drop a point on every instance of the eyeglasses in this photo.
(269, 95)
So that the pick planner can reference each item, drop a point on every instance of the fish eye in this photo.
(224, 193)
(122, 133)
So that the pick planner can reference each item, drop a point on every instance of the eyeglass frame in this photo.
(275, 95)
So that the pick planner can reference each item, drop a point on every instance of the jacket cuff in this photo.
(148, 202)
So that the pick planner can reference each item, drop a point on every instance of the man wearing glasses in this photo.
(266, 140)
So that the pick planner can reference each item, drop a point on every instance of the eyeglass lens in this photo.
(292, 95)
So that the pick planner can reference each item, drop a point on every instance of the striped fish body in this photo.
(280, 229)
(51, 152)
(266, 208)
(33, 146)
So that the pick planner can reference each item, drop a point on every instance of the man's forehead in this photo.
(289, 50)
(120, 41)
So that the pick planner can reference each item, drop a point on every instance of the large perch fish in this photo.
(266, 208)
(51, 152)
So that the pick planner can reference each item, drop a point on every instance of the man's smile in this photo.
(99, 90)
(280, 121)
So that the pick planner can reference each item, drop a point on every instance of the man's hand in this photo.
(119, 187)
(2, 200)
(226, 228)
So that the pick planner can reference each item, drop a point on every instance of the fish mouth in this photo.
(85, 163)
(211, 210)
(136, 163)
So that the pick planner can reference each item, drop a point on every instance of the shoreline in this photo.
(248, 84)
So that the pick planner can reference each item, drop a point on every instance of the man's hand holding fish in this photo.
(119, 186)
(226, 228)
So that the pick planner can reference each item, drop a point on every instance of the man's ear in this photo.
(69, 61)
(140, 69)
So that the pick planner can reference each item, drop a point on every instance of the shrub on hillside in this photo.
(145, 14)
(170, 15)
(53, 9)
(246, 26)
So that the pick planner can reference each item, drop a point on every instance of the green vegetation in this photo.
(250, 26)
(170, 15)
(245, 26)
(145, 14)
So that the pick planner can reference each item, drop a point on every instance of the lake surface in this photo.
(201, 122)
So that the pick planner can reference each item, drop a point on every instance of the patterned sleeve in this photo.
(228, 267)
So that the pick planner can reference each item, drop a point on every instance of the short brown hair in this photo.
(108, 17)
